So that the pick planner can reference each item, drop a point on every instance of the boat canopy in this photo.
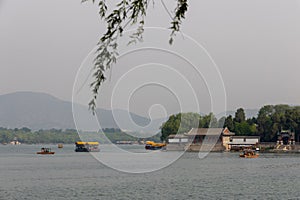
(155, 144)
(87, 143)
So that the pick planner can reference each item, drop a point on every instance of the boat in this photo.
(248, 153)
(150, 145)
(124, 142)
(60, 146)
(87, 146)
(15, 141)
(45, 151)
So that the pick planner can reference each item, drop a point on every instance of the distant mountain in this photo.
(43, 111)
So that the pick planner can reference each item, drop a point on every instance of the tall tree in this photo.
(240, 115)
(179, 123)
(229, 123)
(265, 123)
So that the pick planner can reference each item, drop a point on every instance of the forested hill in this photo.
(43, 111)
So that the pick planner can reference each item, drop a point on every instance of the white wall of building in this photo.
(245, 140)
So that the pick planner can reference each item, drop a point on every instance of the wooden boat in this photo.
(45, 151)
(150, 145)
(249, 154)
(60, 146)
(87, 146)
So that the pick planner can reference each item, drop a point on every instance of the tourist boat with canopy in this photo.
(87, 146)
(45, 151)
(150, 145)
(249, 153)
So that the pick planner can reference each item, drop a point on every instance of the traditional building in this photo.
(198, 135)
(286, 138)
(226, 137)
(177, 139)
(205, 139)
(210, 139)
(241, 142)
(200, 139)
(177, 142)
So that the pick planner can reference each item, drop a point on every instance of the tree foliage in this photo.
(241, 126)
(68, 136)
(125, 13)
(244, 128)
(229, 123)
(25, 135)
(183, 122)
(179, 123)
(240, 115)
(270, 120)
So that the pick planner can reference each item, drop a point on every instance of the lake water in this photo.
(70, 175)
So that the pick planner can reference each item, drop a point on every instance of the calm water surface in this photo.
(70, 175)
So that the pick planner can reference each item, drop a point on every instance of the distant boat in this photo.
(45, 151)
(15, 141)
(60, 146)
(124, 142)
(150, 145)
(248, 153)
(87, 146)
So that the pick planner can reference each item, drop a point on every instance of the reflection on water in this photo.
(70, 175)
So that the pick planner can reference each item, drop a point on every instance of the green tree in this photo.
(171, 126)
(183, 122)
(209, 121)
(244, 128)
(252, 121)
(272, 119)
(265, 123)
(229, 123)
(180, 123)
(240, 115)
(25, 129)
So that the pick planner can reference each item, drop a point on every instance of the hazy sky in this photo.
(255, 44)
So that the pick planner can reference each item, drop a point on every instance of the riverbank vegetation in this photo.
(270, 120)
(68, 136)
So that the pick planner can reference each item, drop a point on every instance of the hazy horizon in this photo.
(255, 45)
(121, 109)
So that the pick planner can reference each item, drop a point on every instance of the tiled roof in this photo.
(177, 136)
(204, 131)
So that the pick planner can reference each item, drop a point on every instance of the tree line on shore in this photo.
(67, 136)
(270, 120)
(27, 136)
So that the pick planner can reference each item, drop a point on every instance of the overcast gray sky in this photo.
(255, 44)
